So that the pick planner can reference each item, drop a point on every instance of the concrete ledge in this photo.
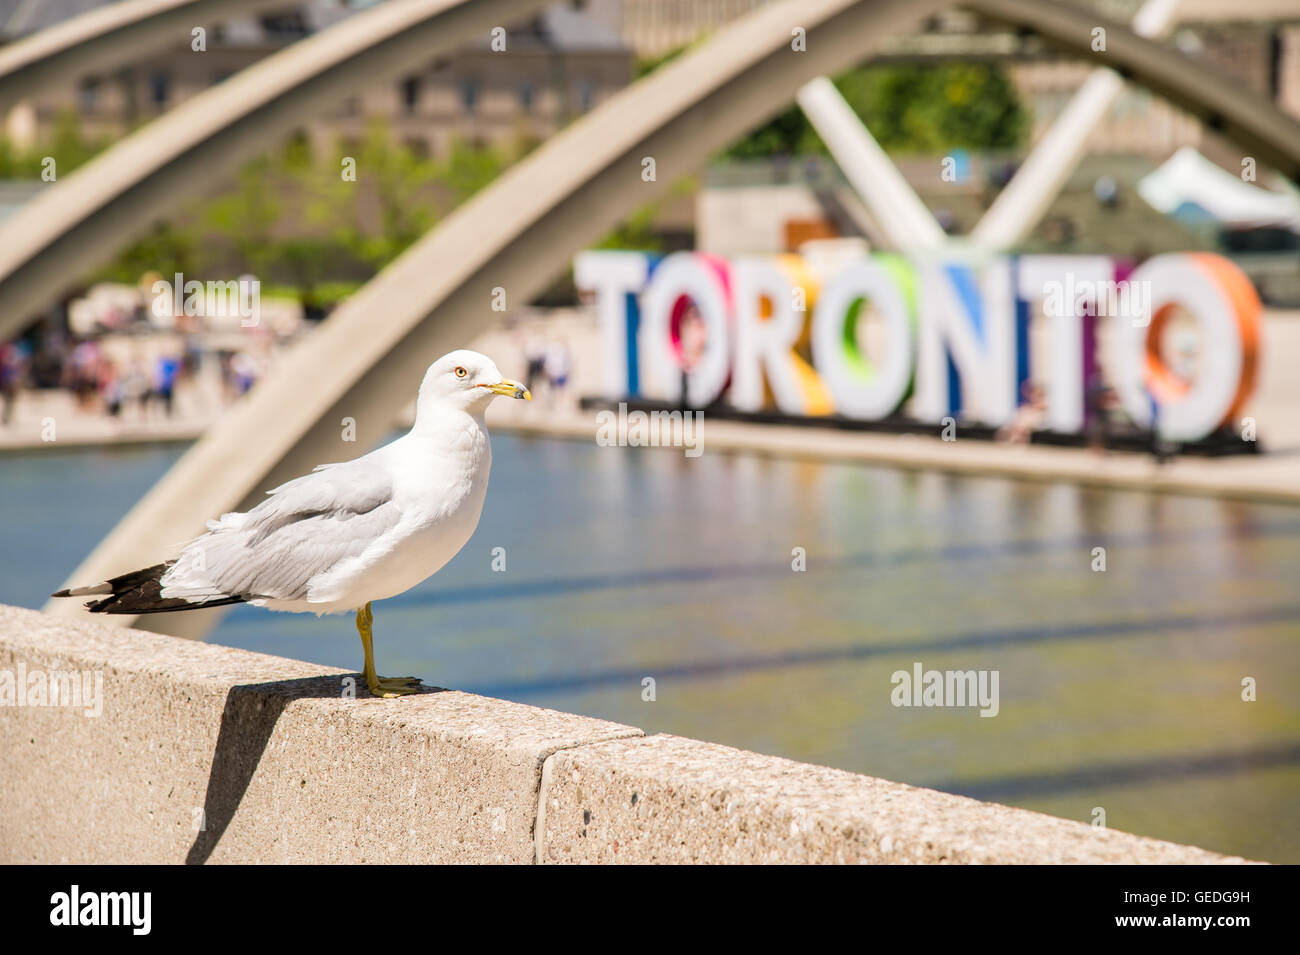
(668, 799)
(282, 768)
(204, 753)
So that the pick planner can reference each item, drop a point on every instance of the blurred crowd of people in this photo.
(136, 378)
(146, 384)
(123, 351)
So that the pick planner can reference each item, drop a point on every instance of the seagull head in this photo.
(465, 381)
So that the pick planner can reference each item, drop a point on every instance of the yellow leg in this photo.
(380, 685)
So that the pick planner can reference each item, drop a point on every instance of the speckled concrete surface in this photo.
(666, 799)
(264, 754)
(203, 754)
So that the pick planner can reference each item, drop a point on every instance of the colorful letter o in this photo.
(861, 388)
(681, 276)
(1227, 310)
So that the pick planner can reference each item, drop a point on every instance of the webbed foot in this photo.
(388, 686)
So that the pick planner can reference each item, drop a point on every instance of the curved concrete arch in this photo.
(365, 362)
(1245, 118)
(82, 219)
(106, 38)
(517, 235)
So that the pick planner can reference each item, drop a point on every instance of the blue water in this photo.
(1119, 690)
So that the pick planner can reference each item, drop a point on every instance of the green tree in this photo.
(290, 217)
(912, 108)
(65, 144)
(167, 248)
(467, 169)
(389, 183)
(246, 216)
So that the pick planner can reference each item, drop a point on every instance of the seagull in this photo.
(346, 534)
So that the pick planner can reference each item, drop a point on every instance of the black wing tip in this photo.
(117, 605)
(140, 592)
(106, 605)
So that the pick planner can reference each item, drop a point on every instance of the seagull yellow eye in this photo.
(460, 371)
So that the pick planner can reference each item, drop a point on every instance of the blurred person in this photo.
(227, 380)
(1106, 191)
(1183, 364)
(82, 372)
(48, 368)
(191, 361)
(110, 388)
(557, 369)
(136, 388)
(1161, 450)
(243, 372)
(13, 374)
(693, 337)
(1098, 400)
(166, 369)
(1029, 415)
(1186, 349)
(535, 356)
(191, 357)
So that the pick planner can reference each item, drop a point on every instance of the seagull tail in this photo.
(141, 592)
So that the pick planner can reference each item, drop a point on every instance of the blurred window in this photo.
(88, 96)
(285, 26)
(159, 88)
(469, 94)
(410, 94)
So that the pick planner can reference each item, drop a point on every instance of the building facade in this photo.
(553, 68)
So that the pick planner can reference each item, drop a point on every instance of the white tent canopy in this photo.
(1188, 181)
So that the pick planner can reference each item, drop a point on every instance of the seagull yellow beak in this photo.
(511, 389)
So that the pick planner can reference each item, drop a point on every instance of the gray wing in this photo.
(304, 528)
